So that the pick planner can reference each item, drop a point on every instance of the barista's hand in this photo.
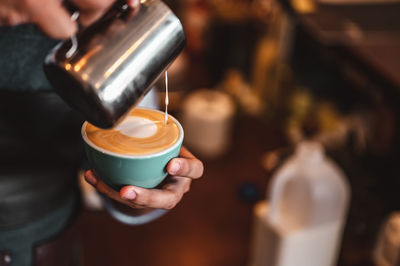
(51, 16)
(182, 170)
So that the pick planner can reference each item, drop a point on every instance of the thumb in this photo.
(52, 18)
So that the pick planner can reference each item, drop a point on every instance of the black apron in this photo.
(40, 148)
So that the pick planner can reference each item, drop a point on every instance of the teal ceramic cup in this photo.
(118, 170)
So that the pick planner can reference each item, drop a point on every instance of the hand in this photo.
(51, 16)
(181, 172)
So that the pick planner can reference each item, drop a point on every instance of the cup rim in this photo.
(133, 156)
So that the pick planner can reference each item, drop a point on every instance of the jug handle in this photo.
(74, 17)
(74, 40)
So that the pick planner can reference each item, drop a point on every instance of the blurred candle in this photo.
(207, 121)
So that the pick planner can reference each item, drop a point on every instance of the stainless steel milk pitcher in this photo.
(107, 67)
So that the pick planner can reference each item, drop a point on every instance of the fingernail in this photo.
(134, 3)
(89, 177)
(130, 195)
(68, 28)
(175, 167)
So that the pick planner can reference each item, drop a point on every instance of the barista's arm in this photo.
(181, 172)
(51, 16)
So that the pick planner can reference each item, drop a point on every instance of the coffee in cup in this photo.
(143, 131)
(136, 151)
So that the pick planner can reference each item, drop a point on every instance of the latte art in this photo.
(137, 127)
(142, 132)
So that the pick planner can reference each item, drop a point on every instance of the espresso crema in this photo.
(143, 131)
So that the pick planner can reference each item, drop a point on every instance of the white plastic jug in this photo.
(302, 223)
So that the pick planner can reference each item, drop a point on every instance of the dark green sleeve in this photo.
(22, 51)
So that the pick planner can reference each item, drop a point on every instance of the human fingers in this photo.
(101, 4)
(133, 3)
(103, 188)
(52, 18)
(92, 10)
(12, 12)
(165, 198)
(10, 17)
(186, 165)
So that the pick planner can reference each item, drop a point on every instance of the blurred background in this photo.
(257, 78)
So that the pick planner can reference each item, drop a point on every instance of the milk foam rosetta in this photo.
(142, 132)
